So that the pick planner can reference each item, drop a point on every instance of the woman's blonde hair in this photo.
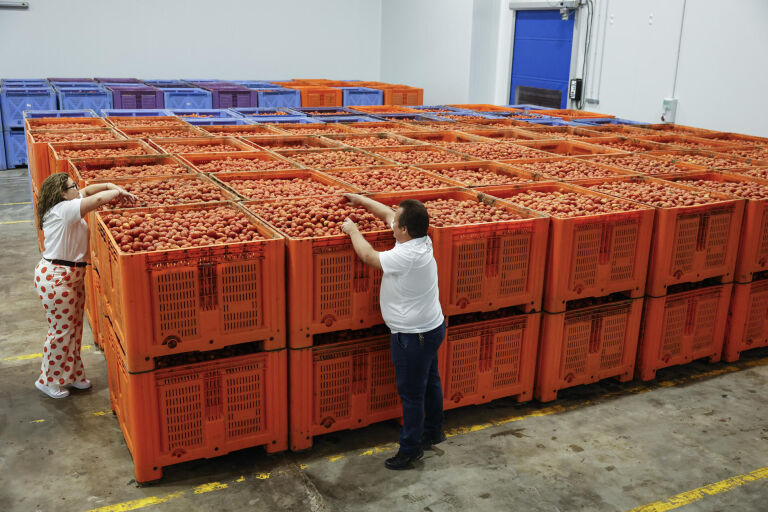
(51, 193)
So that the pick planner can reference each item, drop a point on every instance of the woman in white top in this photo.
(61, 209)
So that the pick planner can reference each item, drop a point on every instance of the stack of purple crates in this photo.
(229, 94)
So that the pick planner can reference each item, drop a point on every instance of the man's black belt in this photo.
(68, 263)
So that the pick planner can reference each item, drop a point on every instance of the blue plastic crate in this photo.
(76, 85)
(606, 120)
(37, 114)
(186, 98)
(289, 119)
(347, 119)
(195, 113)
(549, 121)
(431, 107)
(256, 112)
(130, 112)
(279, 97)
(469, 115)
(71, 98)
(528, 106)
(361, 96)
(15, 147)
(14, 102)
(24, 82)
(2, 151)
(208, 121)
(72, 80)
(256, 84)
(409, 117)
(167, 84)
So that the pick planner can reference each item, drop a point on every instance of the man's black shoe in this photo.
(431, 438)
(403, 460)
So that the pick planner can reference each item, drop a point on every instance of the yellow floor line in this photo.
(13, 204)
(39, 355)
(688, 497)
(15, 221)
(691, 496)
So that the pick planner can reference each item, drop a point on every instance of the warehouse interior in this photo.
(595, 174)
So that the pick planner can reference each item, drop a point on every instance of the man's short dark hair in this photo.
(414, 217)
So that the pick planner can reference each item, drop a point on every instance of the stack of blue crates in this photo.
(271, 95)
(361, 96)
(16, 96)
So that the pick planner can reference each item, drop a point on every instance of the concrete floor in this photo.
(606, 447)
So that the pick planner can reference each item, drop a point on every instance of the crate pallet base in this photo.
(747, 319)
(490, 359)
(682, 327)
(200, 410)
(586, 345)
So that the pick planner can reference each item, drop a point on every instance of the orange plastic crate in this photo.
(210, 184)
(402, 95)
(38, 232)
(570, 114)
(498, 123)
(61, 152)
(504, 134)
(369, 179)
(379, 127)
(329, 288)
(712, 160)
(490, 358)
(747, 319)
(196, 299)
(384, 109)
(682, 327)
(626, 130)
(64, 123)
(691, 243)
(630, 144)
(336, 158)
(173, 145)
(488, 173)
(441, 138)
(200, 410)
(591, 255)
(567, 169)
(277, 142)
(752, 255)
(341, 386)
(237, 161)
(736, 139)
(240, 130)
(645, 164)
(310, 128)
(586, 344)
(156, 132)
(107, 169)
(38, 140)
(91, 304)
(319, 96)
(145, 121)
(568, 147)
(563, 132)
(686, 142)
(677, 128)
(421, 154)
(226, 179)
(486, 107)
(485, 266)
(369, 140)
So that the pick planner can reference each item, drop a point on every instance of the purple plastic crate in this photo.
(233, 97)
(119, 80)
(132, 97)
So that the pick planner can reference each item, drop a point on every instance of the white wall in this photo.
(227, 39)
(426, 43)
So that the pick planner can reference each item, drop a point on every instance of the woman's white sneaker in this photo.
(56, 392)
(83, 384)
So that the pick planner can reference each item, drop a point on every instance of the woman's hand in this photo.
(349, 227)
(124, 193)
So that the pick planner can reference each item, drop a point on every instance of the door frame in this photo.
(576, 44)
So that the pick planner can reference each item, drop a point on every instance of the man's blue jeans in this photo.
(418, 384)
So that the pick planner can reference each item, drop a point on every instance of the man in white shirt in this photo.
(410, 307)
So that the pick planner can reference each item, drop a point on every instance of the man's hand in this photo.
(353, 198)
(349, 227)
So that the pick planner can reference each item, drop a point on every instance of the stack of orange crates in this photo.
(203, 357)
